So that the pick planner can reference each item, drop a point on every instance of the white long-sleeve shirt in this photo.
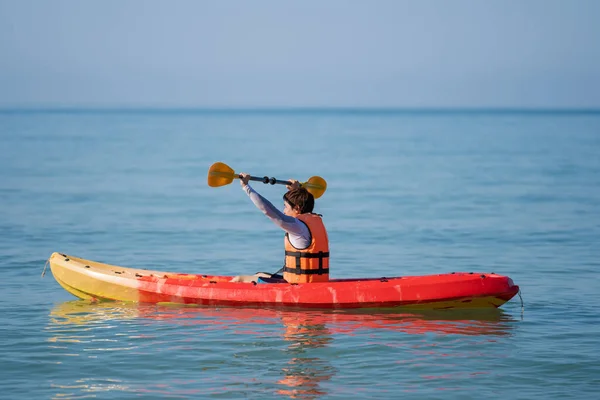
(298, 232)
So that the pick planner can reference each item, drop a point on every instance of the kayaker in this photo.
(306, 241)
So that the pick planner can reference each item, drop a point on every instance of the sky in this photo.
(278, 53)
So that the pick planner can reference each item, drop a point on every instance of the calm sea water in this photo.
(516, 193)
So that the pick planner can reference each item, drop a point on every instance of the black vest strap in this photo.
(299, 271)
(321, 254)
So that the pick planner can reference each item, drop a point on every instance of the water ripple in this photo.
(259, 352)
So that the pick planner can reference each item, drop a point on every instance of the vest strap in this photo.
(321, 254)
(299, 271)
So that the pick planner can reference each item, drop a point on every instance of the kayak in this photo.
(96, 281)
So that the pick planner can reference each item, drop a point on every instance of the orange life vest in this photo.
(312, 263)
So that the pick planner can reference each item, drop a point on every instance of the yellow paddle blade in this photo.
(220, 174)
(315, 186)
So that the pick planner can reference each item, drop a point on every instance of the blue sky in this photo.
(260, 53)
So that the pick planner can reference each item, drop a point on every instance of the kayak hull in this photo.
(96, 281)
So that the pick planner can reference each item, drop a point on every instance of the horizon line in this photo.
(296, 109)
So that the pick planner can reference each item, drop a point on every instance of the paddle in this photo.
(221, 174)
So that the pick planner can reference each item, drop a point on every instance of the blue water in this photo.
(410, 193)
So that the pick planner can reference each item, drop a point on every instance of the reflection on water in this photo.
(81, 312)
(456, 322)
(219, 338)
(302, 374)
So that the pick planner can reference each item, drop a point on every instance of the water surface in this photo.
(409, 193)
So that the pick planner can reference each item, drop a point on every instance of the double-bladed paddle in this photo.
(221, 174)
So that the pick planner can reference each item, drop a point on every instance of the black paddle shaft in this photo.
(266, 179)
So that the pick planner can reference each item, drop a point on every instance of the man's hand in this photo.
(244, 178)
(294, 184)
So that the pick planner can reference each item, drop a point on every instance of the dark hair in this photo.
(302, 198)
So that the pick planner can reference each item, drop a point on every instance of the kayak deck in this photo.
(97, 281)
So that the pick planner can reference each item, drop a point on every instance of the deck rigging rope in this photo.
(522, 305)
(45, 265)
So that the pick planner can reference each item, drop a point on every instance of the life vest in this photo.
(312, 263)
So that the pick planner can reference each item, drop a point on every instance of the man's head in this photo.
(298, 201)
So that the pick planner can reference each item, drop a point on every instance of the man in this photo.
(306, 242)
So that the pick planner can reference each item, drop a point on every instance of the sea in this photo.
(410, 192)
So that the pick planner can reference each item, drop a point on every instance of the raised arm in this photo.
(289, 224)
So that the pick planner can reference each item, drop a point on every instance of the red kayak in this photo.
(97, 282)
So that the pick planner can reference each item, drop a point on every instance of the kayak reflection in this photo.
(444, 322)
(304, 370)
